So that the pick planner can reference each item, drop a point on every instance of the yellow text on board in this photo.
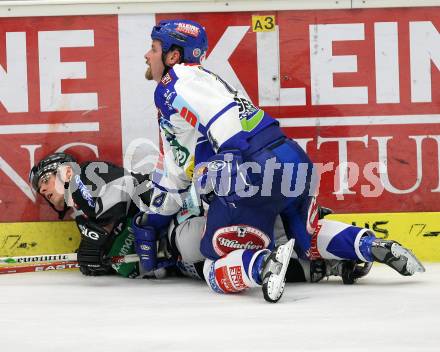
(263, 23)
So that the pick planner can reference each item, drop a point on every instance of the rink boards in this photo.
(418, 231)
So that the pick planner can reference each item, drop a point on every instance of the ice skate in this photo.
(349, 270)
(396, 256)
(274, 272)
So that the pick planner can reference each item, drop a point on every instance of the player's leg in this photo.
(305, 270)
(240, 256)
(324, 250)
(185, 237)
(242, 269)
(390, 253)
(336, 240)
(184, 240)
(300, 220)
(339, 241)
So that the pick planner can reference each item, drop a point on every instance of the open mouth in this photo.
(49, 196)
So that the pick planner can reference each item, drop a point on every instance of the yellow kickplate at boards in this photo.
(34, 238)
(419, 232)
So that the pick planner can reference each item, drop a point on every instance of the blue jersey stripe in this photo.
(220, 113)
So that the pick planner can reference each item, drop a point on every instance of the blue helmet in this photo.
(188, 35)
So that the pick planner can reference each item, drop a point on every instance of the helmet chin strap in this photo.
(165, 70)
(63, 212)
(166, 67)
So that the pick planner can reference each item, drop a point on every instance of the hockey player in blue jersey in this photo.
(237, 156)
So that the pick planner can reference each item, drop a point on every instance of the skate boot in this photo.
(317, 269)
(323, 212)
(392, 254)
(352, 270)
(274, 272)
(349, 270)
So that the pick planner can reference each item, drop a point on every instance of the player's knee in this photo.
(186, 237)
(231, 274)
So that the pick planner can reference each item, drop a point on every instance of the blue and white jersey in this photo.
(199, 115)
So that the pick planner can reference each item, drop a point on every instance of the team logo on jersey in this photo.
(180, 153)
(228, 239)
(85, 193)
(250, 115)
(166, 79)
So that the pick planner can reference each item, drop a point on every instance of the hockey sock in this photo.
(365, 245)
(257, 267)
(336, 240)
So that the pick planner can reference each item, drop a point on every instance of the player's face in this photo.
(49, 186)
(153, 59)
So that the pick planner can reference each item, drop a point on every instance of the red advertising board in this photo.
(352, 86)
(59, 91)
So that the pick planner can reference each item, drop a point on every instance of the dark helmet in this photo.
(188, 35)
(49, 164)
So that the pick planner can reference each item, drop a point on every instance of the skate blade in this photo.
(276, 282)
(413, 265)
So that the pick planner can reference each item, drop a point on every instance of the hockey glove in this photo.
(145, 245)
(223, 175)
(92, 249)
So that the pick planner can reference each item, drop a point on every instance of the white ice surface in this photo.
(65, 311)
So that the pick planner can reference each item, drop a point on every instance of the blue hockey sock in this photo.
(257, 267)
(365, 244)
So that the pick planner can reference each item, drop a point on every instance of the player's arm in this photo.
(166, 200)
(147, 230)
(96, 240)
(170, 185)
(111, 198)
(213, 102)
